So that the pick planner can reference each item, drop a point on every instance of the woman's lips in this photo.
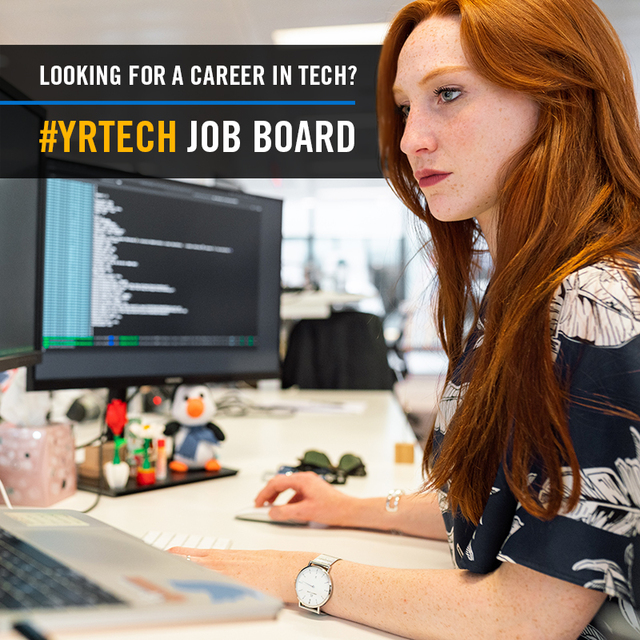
(430, 179)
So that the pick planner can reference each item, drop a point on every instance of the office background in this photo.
(345, 235)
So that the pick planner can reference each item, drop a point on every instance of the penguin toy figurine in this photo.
(196, 439)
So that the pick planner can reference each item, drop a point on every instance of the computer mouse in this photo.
(261, 514)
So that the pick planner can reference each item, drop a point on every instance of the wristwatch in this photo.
(313, 584)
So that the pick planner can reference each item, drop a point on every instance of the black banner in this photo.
(193, 111)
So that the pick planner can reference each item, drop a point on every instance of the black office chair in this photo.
(345, 351)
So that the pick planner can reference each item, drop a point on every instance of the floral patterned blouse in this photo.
(595, 322)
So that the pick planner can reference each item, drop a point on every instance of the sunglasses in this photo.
(318, 462)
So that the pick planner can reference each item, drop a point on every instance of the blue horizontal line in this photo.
(203, 103)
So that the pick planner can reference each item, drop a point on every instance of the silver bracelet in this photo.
(393, 498)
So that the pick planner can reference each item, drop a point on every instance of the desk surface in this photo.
(259, 445)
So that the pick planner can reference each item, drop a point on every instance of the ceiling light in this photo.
(372, 33)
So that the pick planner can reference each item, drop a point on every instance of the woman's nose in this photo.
(418, 137)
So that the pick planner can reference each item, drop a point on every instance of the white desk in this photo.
(256, 445)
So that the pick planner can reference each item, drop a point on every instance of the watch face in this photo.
(313, 586)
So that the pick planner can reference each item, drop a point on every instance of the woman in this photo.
(514, 120)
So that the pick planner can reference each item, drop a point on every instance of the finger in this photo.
(277, 485)
(189, 553)
(265, 497)
(270, 491)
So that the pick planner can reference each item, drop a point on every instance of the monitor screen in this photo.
(20, 231)
(150, 281)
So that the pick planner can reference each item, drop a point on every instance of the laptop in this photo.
(122, 580)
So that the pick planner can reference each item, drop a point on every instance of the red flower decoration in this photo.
(116, 416)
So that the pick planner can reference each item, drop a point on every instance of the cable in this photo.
(234, 405)
(133, 395)
(101, 437)
(26, 630)
(88, 444)
(5, 497)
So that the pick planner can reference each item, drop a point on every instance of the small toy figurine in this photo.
(196, 439)
(116, 472)
(145, 432)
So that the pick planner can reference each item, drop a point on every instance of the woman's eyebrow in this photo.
(434, 73)
(451, 68)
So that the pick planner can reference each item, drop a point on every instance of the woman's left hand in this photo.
(273, 572)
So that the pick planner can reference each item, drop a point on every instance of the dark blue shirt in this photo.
(595, 322)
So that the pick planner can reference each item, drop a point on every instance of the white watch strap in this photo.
(325, 561)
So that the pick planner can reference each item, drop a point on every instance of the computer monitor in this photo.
(150, 281)
(20, 230)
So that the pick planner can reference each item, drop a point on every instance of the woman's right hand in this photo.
(315, 500)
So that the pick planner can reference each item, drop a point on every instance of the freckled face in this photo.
(461, 130)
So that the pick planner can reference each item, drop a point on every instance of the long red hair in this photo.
(570, 199)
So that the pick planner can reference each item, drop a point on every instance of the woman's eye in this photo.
(447, 94)
(404, 110)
